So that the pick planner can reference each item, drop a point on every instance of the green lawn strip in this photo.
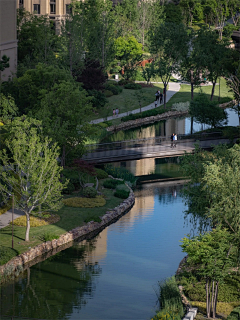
(128, 101)
(70, 219)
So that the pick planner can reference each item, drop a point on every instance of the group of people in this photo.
(173, 140)
(115, 112)
(159, 97)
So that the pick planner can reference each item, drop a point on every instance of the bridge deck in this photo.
(133, 151)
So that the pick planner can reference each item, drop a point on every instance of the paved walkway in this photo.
(173, 88)
(6, 217)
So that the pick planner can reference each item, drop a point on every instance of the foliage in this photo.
(85, 202)
(46, 219)
(101, 174)
(169, 44)
(148, 72)
(235, 314)
(120, 173)
(4, 62)
(122, 187)
(92, 218)
(212, 254)
(112, 88)
(98, 98)
(133, 86)
(8, 108)
(112, 183)
(108, 93)
(37, 40)
(32, 169)
(28, 89)
(64, 110)
(6, 254)
(122, 82)
(49, 236)
(170, 301)
(144, 114)
(208, 112)
(90, 192)
(92, 76)
(181, 106)
(122, 194)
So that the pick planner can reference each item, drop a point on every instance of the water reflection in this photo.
(166, 128)
(112, 275)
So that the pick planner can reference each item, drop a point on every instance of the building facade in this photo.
(8, 36)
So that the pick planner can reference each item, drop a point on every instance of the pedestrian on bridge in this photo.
(161, 97)
(172, 138)
(175, 140)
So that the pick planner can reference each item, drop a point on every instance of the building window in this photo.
(68, 9)
(52, 8)
(36, 8)
(21, 3)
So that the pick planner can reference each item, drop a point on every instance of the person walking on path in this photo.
(114, 112)
(172, 138)
(117, 112)
(161, 97)
(157, 96)
(155, 103)
(175, 140)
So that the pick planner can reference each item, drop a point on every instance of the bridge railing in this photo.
(148, 142)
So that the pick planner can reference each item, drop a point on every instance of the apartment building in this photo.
(8, 36)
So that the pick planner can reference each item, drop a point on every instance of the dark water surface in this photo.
(114, 275)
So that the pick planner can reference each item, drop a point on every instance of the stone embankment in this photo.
(49, 248)
(158, 117)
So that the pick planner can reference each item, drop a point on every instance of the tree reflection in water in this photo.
(68, 278)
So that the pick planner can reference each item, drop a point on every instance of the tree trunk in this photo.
(191, 125)
(207, 298)
(213, 88)
(192, 88)
(28, 227)
(165, 95)
(215, 300)
(212, 298)
(63, 156)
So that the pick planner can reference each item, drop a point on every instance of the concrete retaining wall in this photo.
(49, 248)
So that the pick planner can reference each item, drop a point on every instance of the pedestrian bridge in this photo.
(157, 147)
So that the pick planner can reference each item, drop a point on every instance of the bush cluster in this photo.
(122, 187)
(111, 183)
(122, 194)
(113, 87)
(144, 114)
(122, 82)
(90, 192)
(101, 174)
(120, 173)
(235, 314)
(133, 86)
(7, 254)
(108, 93)
(48, 236)
(85, 202)
(37, 221)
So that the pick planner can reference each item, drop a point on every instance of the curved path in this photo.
(173, 88)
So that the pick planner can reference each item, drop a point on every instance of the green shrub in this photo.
(144, 114)
(122, 194)
(122, 82)
(122, 187)
(101, 174)
(133, 86)
(115, 83)
(49, 236)
(85, 202)
(7, 254)
(90, 192)
(138, 76)
(112, 88)
(72, 176)
(111, 183)
(69, 188)
(108, 93)
(235, 314)
(120, 173)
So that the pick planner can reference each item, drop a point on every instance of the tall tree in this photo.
(31, 170)
(65, 113)
(169, 44)
(234, 8)
(221, 12)
(211, 256)
(191, 8)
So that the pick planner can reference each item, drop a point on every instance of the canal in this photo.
(115, 274)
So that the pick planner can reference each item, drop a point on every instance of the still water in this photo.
(112, 276)
(179, 126)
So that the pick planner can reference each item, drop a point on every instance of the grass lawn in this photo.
(70, 219)
(128, 100)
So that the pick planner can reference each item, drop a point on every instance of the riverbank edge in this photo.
(163, 116)
(23, 261)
